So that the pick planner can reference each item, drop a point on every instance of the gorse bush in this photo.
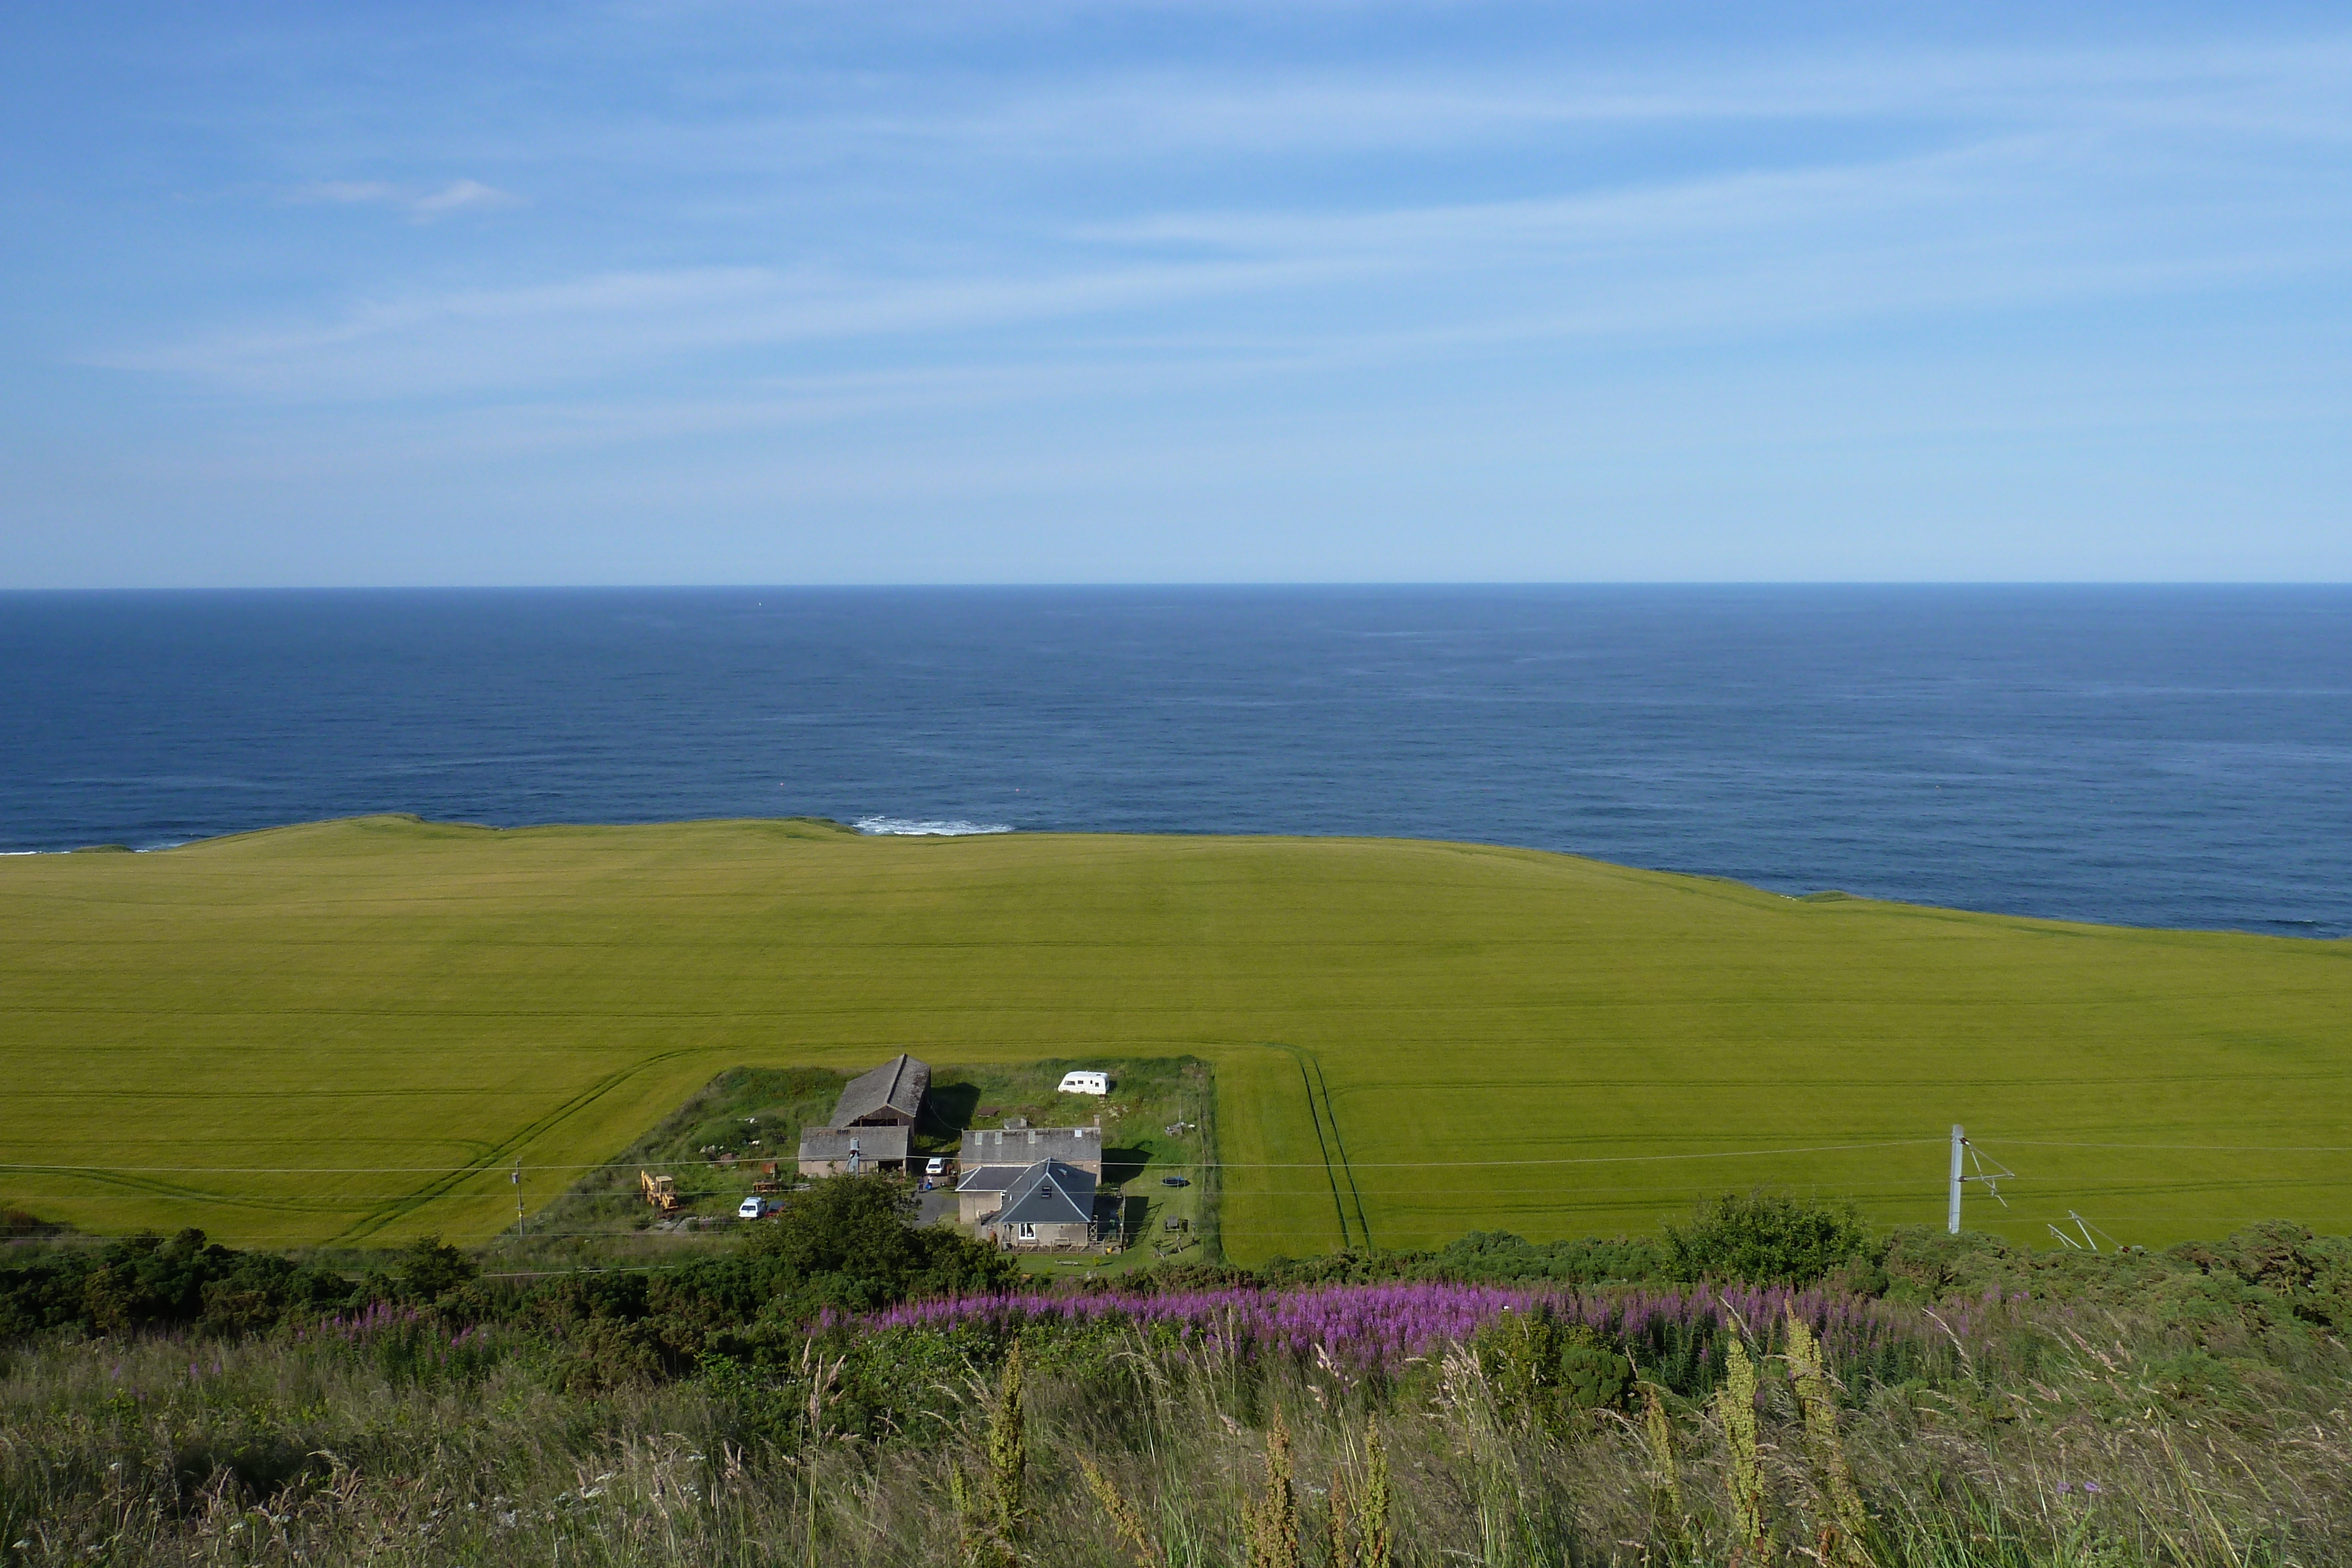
(145, 1282)
(1766, 1238)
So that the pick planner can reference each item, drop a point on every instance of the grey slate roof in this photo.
(1049, 1193)
(898, 1084)
(1027, 1145)
(990, 1179)
(873, 1143)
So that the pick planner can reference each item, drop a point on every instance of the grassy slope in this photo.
(384, 993)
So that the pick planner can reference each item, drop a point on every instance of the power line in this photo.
(2183, 1149)
(489, 1171)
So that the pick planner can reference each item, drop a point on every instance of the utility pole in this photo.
(1960, 1142)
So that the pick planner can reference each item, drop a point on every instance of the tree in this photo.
(429, 1266)
(849, 1241)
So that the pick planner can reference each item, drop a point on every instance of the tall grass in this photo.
(2051, 1440)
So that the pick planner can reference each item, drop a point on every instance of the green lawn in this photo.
(1149, 1097)
(351, 1031)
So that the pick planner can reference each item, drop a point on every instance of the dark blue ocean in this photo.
(2153, 756)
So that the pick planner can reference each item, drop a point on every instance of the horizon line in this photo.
(1173, 585)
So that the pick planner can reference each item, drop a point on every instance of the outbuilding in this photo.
(1024, 1146)
(850, 1150)
(890, 1096)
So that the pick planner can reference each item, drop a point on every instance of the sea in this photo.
(2150, 756)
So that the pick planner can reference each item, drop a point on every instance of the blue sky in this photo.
(706, 293)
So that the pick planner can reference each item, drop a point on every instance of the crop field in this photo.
(355, 1032)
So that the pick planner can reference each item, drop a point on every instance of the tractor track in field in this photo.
(149, 1187)
(1329, 1144)
(441, 1186)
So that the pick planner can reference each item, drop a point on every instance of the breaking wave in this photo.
(949, 828)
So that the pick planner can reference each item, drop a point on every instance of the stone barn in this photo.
(891, 1095)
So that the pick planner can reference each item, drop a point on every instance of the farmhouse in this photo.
(1050, 1204)
(981, 1192)
(889, 1096)
(1023, 1147)
(848, 1151)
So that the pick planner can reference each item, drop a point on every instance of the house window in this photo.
(1028, 1231)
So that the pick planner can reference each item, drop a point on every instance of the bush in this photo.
(429, 1267)
(1550, 1372)
(1766, 1238)
(848, 1243)
(144, 1282)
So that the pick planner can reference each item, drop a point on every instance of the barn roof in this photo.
(898, 1084)
(1049, 1193)
(873, 1143)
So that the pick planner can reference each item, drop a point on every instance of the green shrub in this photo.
(1549, 1374)
(1766, 1238)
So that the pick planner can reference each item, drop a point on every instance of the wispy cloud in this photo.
(907, 274)
(594, 326)
(421, 207)
(2013, 219)
(2270, 90)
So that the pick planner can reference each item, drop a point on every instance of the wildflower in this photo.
(2093, 1487)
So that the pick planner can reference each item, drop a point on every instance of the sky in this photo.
(858, 293)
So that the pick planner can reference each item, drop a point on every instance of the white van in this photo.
(757, 1207)
(1085, 1083)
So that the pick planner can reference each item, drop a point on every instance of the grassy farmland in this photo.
(353, 1031)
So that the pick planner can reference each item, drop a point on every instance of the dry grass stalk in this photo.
(1378, 1498)
(1734, 1406)
(967, 1517)
(1342, 1553)
(1271, 1523)
(1665, 1477)
(1847, 1528)
(1125, 1519)
(1008, 1466)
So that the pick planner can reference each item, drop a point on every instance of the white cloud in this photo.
(424, 207)
(348, 192)
(461, 196)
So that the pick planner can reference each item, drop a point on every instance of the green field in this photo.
(353, 1031)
